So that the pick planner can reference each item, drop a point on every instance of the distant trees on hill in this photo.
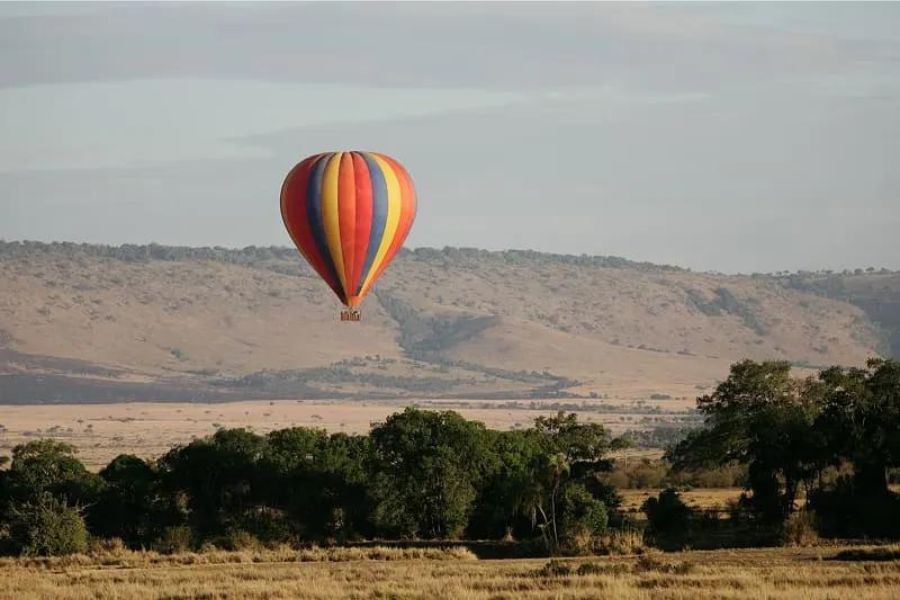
(259, 255)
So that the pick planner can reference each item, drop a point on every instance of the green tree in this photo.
(583, 517)
(762, 417)
(572, 454)
(861, 418)
(861, 421)
(48, 466)
(219, 478)
(668, 517)
(319, 480)
(131, 506)
(428, 467)
(47, 527)
(505, 504)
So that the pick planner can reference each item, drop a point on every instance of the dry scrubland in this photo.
(783, 573)
(153, 323)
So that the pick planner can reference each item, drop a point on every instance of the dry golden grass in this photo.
(701, 498)
(811, 573)
(102, 431)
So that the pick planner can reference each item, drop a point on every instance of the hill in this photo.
(88, 323)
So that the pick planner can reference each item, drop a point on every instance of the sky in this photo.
(726, 137)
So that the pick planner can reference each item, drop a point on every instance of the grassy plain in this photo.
(698, 498)
(102, 431)
(778, 573)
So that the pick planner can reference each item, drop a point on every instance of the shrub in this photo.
(554, 568)
(641, 475)
(602, 569)
(173, 540)
(583, 518)
(656, 474)
(48, 528)
(667, 513)
(801, 529)
(669, 519)
(107, 546)
(237, 539)
(621, 541)
(649, 563)
(845, 511)
(880, 553)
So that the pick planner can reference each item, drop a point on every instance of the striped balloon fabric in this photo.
(348, 213)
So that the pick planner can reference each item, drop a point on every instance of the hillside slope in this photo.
(96, 323)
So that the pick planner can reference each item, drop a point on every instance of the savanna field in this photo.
(779, 493)
(863, 573)
(449, 300)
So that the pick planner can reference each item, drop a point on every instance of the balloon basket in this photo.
(350, 315)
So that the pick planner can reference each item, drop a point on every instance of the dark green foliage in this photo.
(583, 517)
(790, 432)
(47, 527)
(132, 505)
(429, 466)
(760, 416)
(845, 510)
(503, 506)
(668, 517)
(861, 419)
(48, 466)
(319, 482)
(426, 474)
(218, 477)
(564, 482)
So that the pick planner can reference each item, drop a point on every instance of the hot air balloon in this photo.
(348, 213)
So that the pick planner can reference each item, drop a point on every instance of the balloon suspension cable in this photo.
(351, 314)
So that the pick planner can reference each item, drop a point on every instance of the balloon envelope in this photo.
(348, 213)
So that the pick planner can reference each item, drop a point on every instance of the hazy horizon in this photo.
(717, 137)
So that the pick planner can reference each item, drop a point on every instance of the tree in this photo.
(319, 480)
(861, 422)
(220, 479)
(131, 506)
(505, 504)
(572, 454)
(668, 516)
(583, 517)
(47, 526)
(861, 418)
(342, 467)
(762, 417)
(428, 468)
(48, 466)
